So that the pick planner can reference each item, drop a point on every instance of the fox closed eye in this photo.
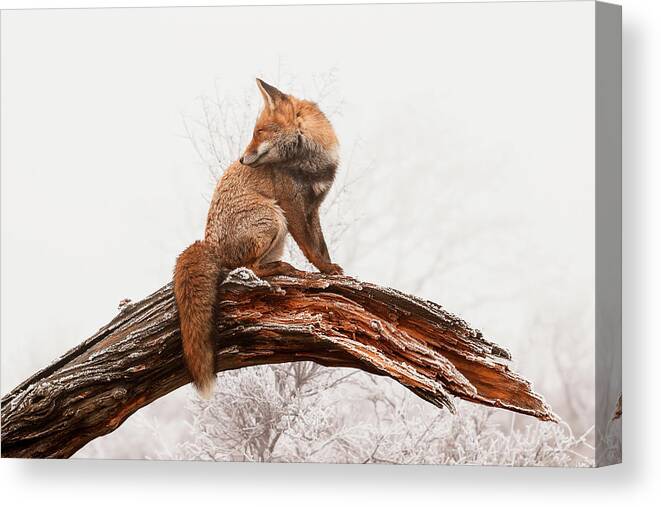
(269, 127)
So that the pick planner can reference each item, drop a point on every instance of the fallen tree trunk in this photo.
(334, 321)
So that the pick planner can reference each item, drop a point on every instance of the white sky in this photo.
(471, 115)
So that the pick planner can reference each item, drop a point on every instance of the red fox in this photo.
(276, 187)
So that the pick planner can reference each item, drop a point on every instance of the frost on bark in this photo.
(331, 320)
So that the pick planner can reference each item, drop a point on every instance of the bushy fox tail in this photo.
(195, 279)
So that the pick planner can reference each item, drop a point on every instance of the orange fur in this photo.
(195, 278)
(276, 188)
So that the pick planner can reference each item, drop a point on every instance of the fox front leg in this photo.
(309, 237)
(317, 233)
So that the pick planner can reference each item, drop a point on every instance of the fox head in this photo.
(288, 130)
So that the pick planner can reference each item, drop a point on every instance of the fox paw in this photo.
(332, 269)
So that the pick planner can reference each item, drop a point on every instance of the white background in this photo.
(111, 482)
(454, 150)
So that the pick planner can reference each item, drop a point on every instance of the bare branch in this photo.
(333, 321)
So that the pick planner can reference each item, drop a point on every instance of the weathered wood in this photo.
(332, 320)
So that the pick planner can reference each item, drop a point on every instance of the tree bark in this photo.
(331, 320)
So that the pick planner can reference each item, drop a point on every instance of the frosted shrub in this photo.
(306, 413)
(269, 413)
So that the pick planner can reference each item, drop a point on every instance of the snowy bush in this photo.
(303, 412)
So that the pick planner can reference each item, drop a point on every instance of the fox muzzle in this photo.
(250, 158)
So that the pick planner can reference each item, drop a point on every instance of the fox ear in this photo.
(270, 94)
